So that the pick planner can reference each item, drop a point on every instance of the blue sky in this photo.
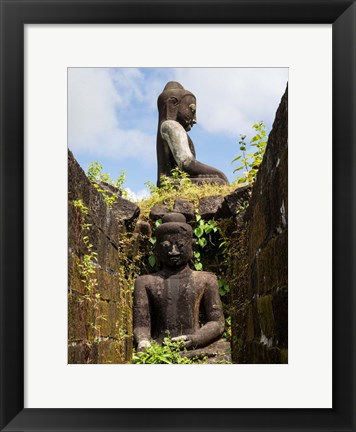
(113, 117)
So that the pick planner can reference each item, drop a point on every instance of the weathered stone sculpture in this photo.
(176, 110)
(175, 298)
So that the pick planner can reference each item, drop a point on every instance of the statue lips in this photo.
(175, 259)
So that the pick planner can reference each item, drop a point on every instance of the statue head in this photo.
(174, 241)
(176, 103)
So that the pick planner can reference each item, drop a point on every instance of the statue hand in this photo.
(186, 341)
(181, 338)
(143, 345)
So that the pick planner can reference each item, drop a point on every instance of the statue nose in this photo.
(174, 251)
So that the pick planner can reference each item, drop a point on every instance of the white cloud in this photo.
(230, 100)
(95, 98)
(137, 196)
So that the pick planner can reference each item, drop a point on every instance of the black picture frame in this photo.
(14, 15)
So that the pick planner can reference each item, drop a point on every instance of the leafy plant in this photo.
(203, 236)
(224, 287)
(152, 260)
(178, 180)
(167, 353)
(96, 176)
(251, 161)
(87, 268)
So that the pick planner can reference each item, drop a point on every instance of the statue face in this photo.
(186, 112)
(175, 250)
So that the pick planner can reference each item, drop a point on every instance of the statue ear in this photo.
(172, 108)
(174, 100)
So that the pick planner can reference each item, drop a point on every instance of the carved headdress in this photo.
(174, 223)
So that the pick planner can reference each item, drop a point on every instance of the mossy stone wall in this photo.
(260, 296)
(99, 324)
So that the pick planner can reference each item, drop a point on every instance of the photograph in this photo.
(177, 215)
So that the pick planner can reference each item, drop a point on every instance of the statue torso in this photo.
(174, 303)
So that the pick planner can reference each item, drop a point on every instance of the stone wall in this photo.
(99, 315)
(260, 296)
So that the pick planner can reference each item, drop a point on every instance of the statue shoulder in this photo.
(171, 127)
(147, 280)
(205, 276)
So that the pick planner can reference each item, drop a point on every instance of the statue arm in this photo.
(214, 317)
(176, 137)
(141, 315)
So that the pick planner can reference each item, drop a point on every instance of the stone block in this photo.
(157, 212)
(110, 351)
(75, 285)
(77, 317)
(115, 229)
(102, 321)
(234, 203)
(125, 211)
(115, 318)
(109, 189)
(108, 318)
(268, 209)
(266, 269)
(281, 259)
(280, 313)
(255, 353)
(185, 207)
(273, 355)
(250, 325)
(98, 209)
(76, 353)
(78, 183)
(258, 353)
(74, 229)
(108, 284)
(209, 206)
(108, 257)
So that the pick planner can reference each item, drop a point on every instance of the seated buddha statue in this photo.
(177, 300)
(177, 115)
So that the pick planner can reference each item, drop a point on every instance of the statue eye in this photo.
(165, 244)
(193, 108)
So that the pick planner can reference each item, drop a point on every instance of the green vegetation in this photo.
(96, 176)
(167, 353)
(251, 161)
(87, 268)
(179, 186)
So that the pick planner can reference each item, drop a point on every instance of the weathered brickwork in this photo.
(260, 324)
(99, 321)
